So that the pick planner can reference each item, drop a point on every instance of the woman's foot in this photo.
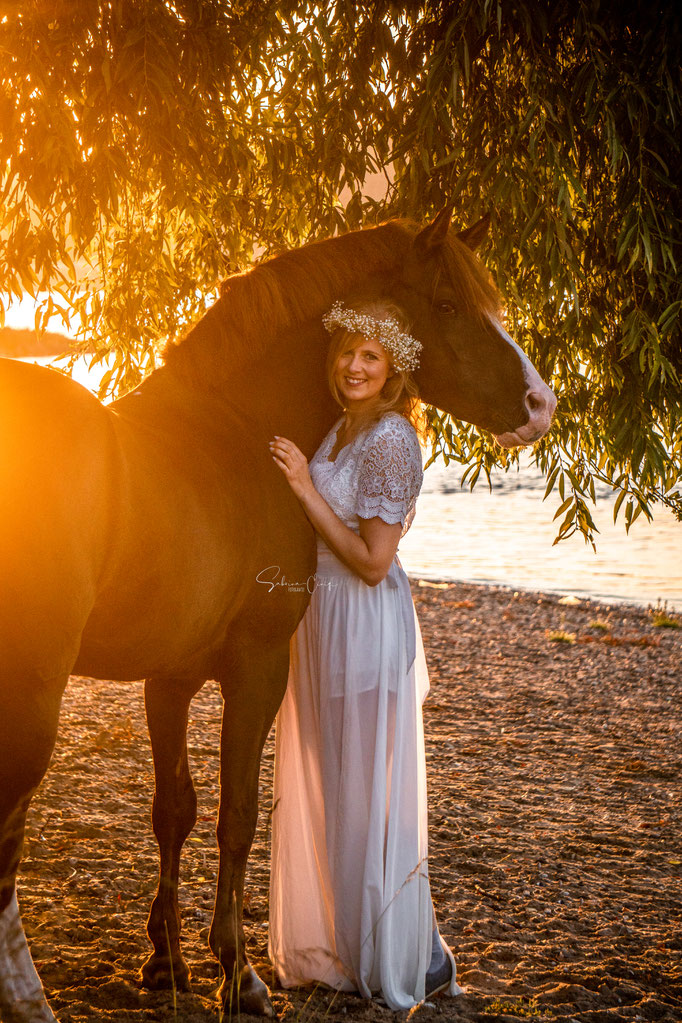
(439, 979)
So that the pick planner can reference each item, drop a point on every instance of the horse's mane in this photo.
(284, 291)
(294, 287)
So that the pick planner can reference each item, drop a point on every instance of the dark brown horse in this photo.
(132, 536)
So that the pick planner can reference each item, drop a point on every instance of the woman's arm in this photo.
(368, 555)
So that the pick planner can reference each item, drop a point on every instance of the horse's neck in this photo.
(281, 390)
(284, 391)
(262, 347)
(282, 295)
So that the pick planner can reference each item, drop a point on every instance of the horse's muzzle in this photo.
(540, 403)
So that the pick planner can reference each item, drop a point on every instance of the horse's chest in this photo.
(184, 573)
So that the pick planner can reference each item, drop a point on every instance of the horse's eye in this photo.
(445, 306)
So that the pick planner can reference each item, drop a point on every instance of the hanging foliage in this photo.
(149, 147)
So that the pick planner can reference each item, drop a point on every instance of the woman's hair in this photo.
(399, 393)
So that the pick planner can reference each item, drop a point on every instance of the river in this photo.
(505, 537)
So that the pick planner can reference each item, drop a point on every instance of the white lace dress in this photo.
(350, 904)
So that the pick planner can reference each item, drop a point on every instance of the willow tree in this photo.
(150, 147)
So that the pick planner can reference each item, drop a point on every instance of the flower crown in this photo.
(403, 348)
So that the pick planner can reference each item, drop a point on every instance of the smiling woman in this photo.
(349, 828)
(369, 362)
(350, 791)
(361, 371)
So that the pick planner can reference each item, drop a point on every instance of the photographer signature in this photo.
(270, 577)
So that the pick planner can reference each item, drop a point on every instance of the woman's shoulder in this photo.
(391, 462)
(393, 424)
(394, 437)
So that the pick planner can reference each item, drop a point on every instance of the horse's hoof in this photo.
(160, 974)
(249, 994)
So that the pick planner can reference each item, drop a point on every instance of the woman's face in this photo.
(361, 371)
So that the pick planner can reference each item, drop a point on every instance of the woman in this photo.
(350, 905)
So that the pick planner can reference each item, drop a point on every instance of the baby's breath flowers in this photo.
(403, 349)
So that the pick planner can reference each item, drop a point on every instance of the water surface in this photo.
(505, 537)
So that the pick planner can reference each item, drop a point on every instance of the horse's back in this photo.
(55, 472)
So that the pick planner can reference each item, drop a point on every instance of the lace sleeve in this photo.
(390, 473)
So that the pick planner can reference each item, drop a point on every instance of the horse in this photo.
(132, 537)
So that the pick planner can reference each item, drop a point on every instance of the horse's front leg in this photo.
(174, 814)
(252, 696)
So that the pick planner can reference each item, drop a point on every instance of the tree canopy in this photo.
(150, 147)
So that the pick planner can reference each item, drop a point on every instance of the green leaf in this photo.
(568, 503)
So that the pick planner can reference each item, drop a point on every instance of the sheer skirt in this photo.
(350, 904)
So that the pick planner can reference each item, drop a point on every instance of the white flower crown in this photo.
(403, 348)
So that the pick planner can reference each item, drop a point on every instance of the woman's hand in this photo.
(368, 554)
(293, 464)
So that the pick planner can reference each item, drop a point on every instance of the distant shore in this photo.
(17, 343)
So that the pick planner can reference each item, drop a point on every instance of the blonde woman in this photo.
(350, 904)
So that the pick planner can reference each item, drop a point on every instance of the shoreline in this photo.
(554, 762)
(608, 600)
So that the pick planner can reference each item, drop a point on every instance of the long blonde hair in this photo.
(399, 393)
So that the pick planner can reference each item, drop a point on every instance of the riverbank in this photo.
(554, 765)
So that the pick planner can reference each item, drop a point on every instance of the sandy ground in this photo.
(554, 757)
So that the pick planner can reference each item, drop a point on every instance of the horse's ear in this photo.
(434, 234)
(474, 235)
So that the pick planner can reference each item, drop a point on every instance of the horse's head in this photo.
(470, 367)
